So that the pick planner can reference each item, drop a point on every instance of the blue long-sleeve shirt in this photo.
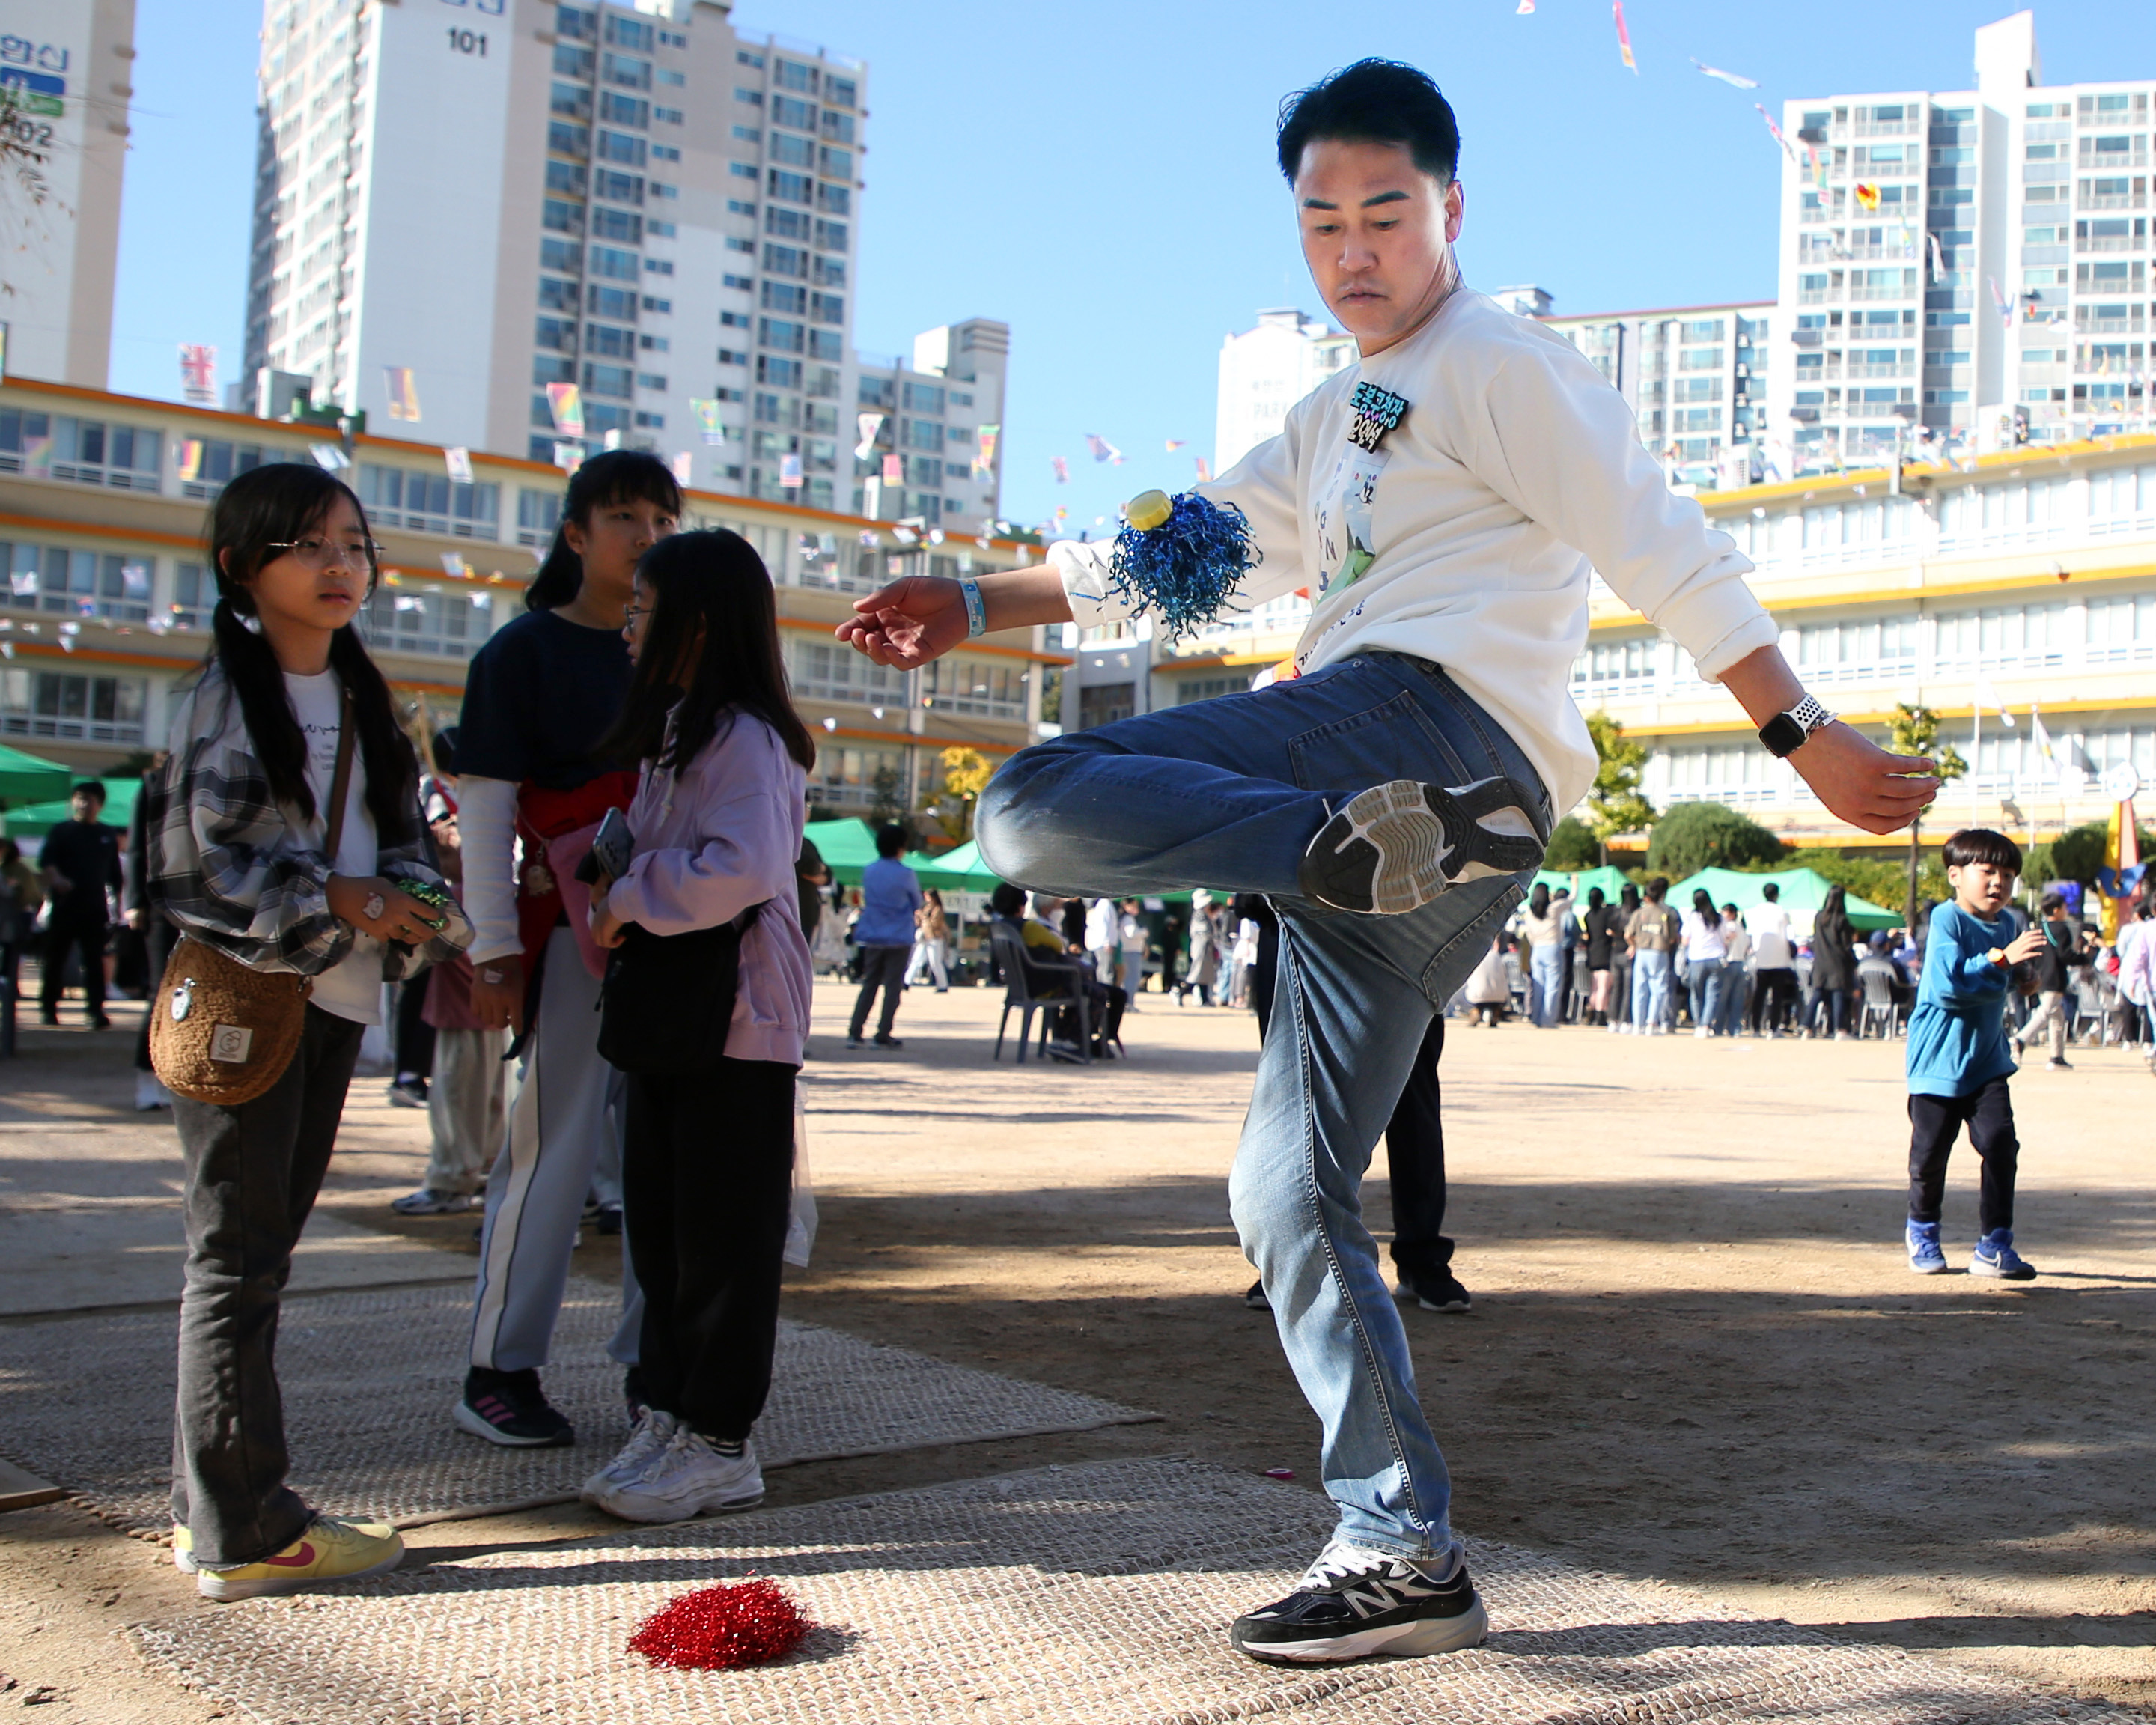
(1957, 1031)
(891, 893)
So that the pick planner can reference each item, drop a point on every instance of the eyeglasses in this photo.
(318, 554)
(630, 615)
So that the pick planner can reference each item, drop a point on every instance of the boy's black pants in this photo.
(1934, 1123)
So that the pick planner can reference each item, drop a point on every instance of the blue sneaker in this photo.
(1994, 1257)
(1925, 1257)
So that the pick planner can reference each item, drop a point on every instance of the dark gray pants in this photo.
(881, 967)
(252, 1173)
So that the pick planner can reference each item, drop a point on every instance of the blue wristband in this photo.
(977, 613)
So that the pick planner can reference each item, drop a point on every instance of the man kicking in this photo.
(1443, 500)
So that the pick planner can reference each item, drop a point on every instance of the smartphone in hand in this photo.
(611, 852)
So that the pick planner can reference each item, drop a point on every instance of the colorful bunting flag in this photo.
(566, 402)
(1819, 166)
(789, 472)
(1204, 473)
(684, 468)
(870, 426)
(1103, 450)
(1062, 470)
(1866, 195)
(1729, 78)
(1623, 37)
(134, 580)
(1999, 299)
(198, 374)
(1524, 8)
(403, 393)
(984, 453)
(188, 453)
(328, 457)
(454, 563)
(458, 461)
(894, 470)
(1787, 150)
(1175, 443)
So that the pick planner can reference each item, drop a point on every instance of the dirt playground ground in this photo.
(1694, 1352)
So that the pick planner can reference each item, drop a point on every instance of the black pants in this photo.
(1934, 1123)
(1773, 997)
(252, 1173)
(881, 967)
(161, 938)
(87, 938)
(415, 1036)
(708, 1182)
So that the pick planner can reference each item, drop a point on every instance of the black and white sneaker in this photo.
(1353, 1602)
(1395, 847)
(510, 1408)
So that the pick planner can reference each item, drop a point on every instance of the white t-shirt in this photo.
(1702, 932)
(1769, 924)
(1511, 468)
(351, 988)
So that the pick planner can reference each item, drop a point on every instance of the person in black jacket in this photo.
(1833, 965)
(81, 864)
(2063, 950)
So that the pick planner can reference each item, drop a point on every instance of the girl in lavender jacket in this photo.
(708, 1157)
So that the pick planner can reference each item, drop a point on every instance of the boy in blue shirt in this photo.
(1958, 1059)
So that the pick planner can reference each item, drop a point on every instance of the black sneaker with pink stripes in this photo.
(510, 1408)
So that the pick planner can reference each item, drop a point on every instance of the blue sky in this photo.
(1100, 176)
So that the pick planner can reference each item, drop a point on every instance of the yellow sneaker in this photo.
(330, 1550)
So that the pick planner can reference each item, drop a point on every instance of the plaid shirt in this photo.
(242, 873)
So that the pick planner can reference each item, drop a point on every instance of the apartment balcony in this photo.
(2112, 200)
(2084, 320)
(1861, 290)
(1882, 129)
(1895, 370)
(2091, 163)
(1816, 296)
(2111, 243)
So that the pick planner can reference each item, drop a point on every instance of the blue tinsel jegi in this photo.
(1187, 569)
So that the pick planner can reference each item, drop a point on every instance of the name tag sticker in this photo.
(230, 1043)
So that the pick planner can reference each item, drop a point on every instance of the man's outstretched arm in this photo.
(1859, 781)
(923, 616)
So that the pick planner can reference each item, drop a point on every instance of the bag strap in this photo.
(341, 778)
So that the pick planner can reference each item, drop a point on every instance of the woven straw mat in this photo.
(1098, 1593)
(369, 1378)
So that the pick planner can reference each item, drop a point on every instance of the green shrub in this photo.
(1572, 846)
(1692, 836)
(2076, 855)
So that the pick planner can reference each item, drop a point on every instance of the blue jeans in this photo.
(1736, 996)
(1650, 989)
(1546, 979)
(1705, 984)
(1228, 794)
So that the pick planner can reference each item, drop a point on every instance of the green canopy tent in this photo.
(1803, 892)
(846, 846)
(32, 778)
(1612, 881)
(33, 820)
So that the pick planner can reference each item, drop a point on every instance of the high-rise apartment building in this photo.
(1694, 377)
(461, 203)
(1970, 267)
(929, 432)
(66, 66)
(1265, 370)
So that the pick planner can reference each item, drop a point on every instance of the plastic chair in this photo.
(1880, 1006)
(1012, 959)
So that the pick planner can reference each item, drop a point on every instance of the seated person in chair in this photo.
(1053, 978)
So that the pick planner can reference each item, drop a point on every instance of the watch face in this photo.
(1781, 734)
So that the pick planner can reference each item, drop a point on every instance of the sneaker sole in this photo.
(1938, 1269)
(1397, 823)
(211, 1586)
(477, 1427)
(1419, 1640)
(1992, 1272)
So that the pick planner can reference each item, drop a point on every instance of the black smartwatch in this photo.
(1784, 734)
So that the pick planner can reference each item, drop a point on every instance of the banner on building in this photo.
(789, 472)
(984, 453)
(186, 455)
(566, 402)
(459, 462)
(706, 413)
(403, 393)
(894, 470)
(198, 374)
(870, 426)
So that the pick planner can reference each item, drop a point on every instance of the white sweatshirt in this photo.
(1514, 469)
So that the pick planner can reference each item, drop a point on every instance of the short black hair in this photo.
(890, 840)
(89, 787)
(1658, 889)
(1771, 892)
(1007, 900)
(1373, 102)
(1980, 844)
(2051, 901)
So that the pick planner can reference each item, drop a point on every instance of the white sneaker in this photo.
(686, 1478)
(150, 1093)
(1701, 1034)
(652, 1433)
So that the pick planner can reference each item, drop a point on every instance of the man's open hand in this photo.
(1862, 783)
(909, 622)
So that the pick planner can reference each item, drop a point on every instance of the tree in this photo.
(886, 804)
(1912, 730)
(1692, 836)
(966, 775)
(2078, 853)
(1572, 846)
(1615, 806)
